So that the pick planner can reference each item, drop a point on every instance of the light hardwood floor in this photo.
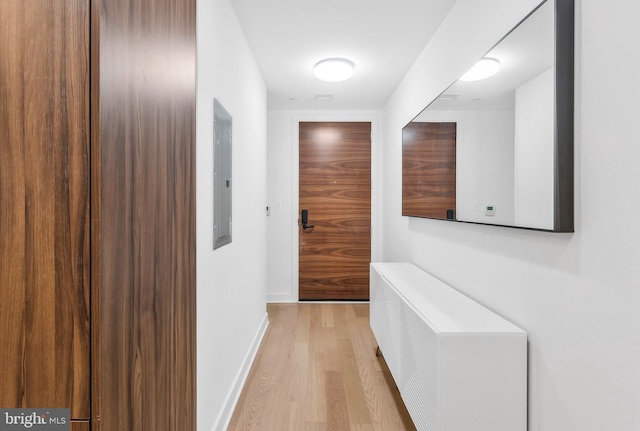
(316, 370)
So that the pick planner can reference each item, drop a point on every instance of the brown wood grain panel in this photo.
(44, 205)
(80, 426)
(95, 170)
(346, 288)
(144, 358)
(341, 208)
(320, 245)
(428, 169)
(335, 151)
(335, 187)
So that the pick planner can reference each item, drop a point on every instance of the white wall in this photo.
(484, 162)
(282, 230)
(577, 295)
(231, 280)
(534, 152)
(485, 167)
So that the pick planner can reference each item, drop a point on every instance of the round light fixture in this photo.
(334, 69)
(484, 68)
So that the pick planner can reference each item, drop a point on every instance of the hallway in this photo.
(316, 370)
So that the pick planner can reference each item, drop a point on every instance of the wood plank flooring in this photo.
(316, 370)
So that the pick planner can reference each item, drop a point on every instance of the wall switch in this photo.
(490, 210)
(268, 211)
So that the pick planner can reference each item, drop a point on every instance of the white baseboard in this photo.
(223, 419)
(281, 298)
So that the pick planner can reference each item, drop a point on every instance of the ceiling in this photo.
(382, 37)
(524, 54)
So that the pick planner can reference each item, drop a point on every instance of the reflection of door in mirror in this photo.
(429, 170)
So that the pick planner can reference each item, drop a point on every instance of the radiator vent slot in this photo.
(420, 370)
(418, 406)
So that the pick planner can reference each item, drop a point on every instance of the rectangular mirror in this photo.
(499, 150)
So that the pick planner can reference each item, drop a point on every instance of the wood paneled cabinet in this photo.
(97, 211)
(44, 205)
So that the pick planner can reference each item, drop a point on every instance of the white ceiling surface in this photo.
(382, 37)
(524, 54)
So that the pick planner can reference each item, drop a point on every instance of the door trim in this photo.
(365, 117)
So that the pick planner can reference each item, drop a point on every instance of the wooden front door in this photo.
(429, 170)
(335, 192)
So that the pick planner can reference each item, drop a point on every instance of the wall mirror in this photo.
(499, 150)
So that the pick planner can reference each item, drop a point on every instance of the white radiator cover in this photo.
(458, 365)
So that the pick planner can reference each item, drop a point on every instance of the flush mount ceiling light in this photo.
(334, 69)
(449, 97)
(324, 97)
(484, 68)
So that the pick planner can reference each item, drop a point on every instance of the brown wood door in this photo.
(335, 189)
(80, 426)
(44, 205)
(429, 170)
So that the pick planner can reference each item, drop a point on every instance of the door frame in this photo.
(364, 117)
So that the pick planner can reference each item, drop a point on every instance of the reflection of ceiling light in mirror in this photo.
(484, 68)
(324, 97)
(334, 69)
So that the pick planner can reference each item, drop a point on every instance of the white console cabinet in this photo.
(458, 365)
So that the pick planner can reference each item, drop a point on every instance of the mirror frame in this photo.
(563, 181)
(564, 115)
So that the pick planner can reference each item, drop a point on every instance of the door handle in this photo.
(305, 220)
